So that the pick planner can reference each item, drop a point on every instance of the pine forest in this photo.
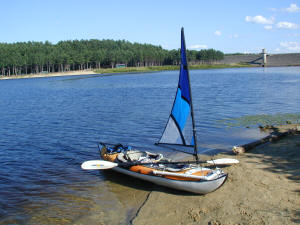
(44, 57)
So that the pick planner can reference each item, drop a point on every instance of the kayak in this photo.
(155, 168)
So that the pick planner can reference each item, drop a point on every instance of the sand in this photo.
(58, 74)
(263, 189)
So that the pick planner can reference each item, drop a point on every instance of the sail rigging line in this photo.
(183, 58)
(169, 147)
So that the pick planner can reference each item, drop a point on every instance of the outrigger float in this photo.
(188, 176)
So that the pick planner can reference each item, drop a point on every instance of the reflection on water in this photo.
(49, 126)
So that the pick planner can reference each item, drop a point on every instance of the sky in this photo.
(231, 26)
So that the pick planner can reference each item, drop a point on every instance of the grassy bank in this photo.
(165, 68)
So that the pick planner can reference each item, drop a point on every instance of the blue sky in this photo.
(230, 26)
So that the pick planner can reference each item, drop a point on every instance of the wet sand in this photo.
(263, 189)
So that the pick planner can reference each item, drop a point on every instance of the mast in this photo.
(184, 62)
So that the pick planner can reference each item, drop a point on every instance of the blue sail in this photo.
(180, 128)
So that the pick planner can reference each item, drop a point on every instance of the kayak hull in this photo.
(198, 187)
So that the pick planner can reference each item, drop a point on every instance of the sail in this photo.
(180, 126)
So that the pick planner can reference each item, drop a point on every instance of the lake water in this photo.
(49, 126)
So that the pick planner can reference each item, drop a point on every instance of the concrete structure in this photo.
(264, 53)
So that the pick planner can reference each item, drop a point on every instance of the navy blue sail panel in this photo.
(184, 83)
(179, 129)
(183, 77)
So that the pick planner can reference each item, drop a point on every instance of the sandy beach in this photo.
(58, 74)
(263, 189)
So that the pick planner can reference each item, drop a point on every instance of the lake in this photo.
(49, 126)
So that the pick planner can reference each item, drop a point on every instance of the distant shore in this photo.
(229, 61)
(58, 74)
(125, 70)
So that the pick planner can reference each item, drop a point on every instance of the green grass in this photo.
(219, 66)
(164, 68)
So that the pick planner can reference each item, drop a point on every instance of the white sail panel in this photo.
(171, 134)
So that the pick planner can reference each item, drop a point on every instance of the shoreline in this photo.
(262, 189)
(130, 70)
(229, 61)
(56, 74)
(126, 70)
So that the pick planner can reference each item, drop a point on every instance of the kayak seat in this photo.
(135, 155)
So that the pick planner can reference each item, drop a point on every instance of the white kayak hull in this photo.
(199, 187)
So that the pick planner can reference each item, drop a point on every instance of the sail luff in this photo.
(184, 62)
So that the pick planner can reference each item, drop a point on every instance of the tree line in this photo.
(38, 57)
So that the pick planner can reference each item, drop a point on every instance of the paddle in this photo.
(102, 164)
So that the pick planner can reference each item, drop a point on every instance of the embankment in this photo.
(291, 59)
